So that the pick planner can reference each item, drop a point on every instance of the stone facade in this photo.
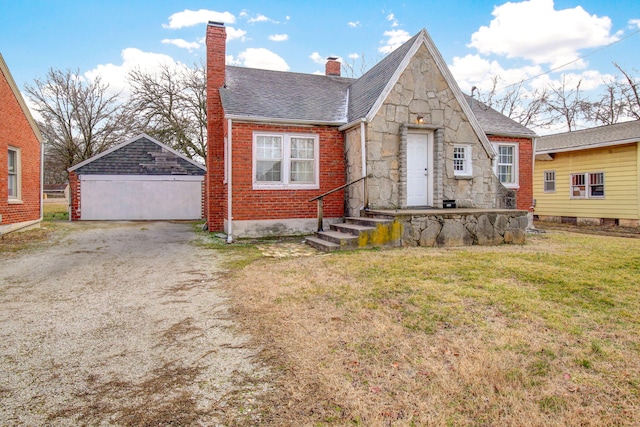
(423, 91)
(463, 227)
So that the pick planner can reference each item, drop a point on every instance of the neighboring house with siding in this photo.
(279, 139)
(589, 176)
(20, 159)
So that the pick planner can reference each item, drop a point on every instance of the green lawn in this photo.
(542, 334)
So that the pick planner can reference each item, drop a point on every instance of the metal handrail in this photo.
(320, 197)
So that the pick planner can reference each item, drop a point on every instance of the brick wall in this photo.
(524, 194)
(249, 204)
(215, 194)
(74, 195)
(15, 131)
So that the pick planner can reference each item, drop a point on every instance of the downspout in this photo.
(363, 149)
(229, 182)
(41, 182)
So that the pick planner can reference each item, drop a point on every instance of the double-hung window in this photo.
(507, 164)
(14, 173)
(462, 160)
(587, 185)
(285, 161)
(549, 181)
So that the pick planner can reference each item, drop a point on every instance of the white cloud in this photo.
(116, 75)
(278, 37)
(262, 58)
(634, 23)
(317, 58)
(473, 70)
(182, 44)
(354, 56)
(396, 38)
(234, 34)
(391, 17)
(353, 24)
(534, 30)
(189, 18)
(259, 18)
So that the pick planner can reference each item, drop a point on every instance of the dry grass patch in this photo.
(541, 334)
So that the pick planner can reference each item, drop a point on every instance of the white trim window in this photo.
(14, 179)
(549, 181)
(462, 165)
(587, 185)
(285, 161)
(506, 167)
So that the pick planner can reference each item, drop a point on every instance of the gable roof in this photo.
(141, 155)
(284, 96)
(4, 69)
(276, 96)
(495, 123)
(602, 136)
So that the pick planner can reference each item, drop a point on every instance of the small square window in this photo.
(462, 160)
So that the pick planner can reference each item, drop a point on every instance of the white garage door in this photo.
(129, 197)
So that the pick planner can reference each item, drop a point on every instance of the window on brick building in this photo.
(285, 161)
(506, 165)
(14, 173)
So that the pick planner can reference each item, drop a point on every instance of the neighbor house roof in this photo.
(141, 155)
(277, 96)
(16, 92)
(602, 136)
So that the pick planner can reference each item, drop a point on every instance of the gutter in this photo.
(259, 119)
(229, 182)
(363, 149)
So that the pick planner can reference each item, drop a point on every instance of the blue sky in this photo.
(478, 39)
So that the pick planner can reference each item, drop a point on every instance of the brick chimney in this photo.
(332, 67)
(215, 196)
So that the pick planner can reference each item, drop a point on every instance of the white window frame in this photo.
(17, 175)
(549, 177)
(587, 191)
(515, 183)
(467, 165)
(285, 171)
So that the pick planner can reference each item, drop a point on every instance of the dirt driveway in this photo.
(121, 324)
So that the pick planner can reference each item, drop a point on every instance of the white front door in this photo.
(419, 169)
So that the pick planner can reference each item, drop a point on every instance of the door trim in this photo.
(437, 159)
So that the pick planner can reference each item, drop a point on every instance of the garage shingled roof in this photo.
(142, 155)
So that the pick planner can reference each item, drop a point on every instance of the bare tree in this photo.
(520, 105)
(171, 105)
(566, 104)
(630, 94)
(609, 108)
(80, 118)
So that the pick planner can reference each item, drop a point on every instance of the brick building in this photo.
(20, 159)
(279, 139)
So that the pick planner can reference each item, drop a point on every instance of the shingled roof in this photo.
(602, 136)
(495, 123)
(279, 96)
(141, 155)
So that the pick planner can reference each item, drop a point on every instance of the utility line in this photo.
(575, 60)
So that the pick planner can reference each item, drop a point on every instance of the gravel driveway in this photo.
(121, 324)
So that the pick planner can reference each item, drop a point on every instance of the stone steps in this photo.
(357, 233)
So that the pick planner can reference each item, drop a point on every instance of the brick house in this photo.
(279, 139)
(20, 159)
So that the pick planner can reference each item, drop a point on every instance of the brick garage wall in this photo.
(524, 194)
(249, 204)
(15, 131)
(74, 195)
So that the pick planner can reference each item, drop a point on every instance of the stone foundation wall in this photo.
(463, 227)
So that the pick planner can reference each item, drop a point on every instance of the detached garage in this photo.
(140, 179)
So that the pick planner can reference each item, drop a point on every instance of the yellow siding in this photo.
(621, 183)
